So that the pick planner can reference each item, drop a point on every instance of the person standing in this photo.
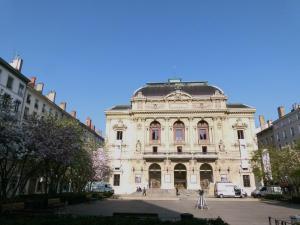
(177, 190)
(144, 192)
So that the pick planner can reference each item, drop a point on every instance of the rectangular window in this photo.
(179, 149)
(240, 134)
(284, 134)
(202, 134)
(44, 108)
(21, 90)
(17, 106)
(116, 179)
(6, 100)
(246, 181)
(179, 135)
(154, 149)
(204, 149)
(36, 104)
(155, 134)
(119, 135)
(28, 99)
(292, 131)
(26, 112)
(10, 82)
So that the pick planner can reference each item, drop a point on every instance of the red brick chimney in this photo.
(73, 114)
(89, 122)
(32, 82)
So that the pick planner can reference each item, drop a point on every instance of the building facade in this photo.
(283, 132)
(180, 134)
(13, 83)
(28, 99)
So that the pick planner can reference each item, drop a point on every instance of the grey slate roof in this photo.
(237, 106)
(121, 107)
(192, 88)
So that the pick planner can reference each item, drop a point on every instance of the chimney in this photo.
(39, 87)
(295, 107)
(63, 106)
(89, 122)
(269, 123)
(51, 96)
(73, 114)
(281, 111)
(32, 82)
(262, 121)
(17, 63)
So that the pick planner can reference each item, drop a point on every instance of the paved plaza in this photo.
(233, 211)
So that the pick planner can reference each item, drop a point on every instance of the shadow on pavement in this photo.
(281, 204)
(108, 207)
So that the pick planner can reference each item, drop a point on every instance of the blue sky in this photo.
(96, 53)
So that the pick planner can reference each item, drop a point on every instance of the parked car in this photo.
(266, 190)
(102, 187)
(228, 189)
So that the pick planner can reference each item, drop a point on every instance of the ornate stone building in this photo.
(182, 134)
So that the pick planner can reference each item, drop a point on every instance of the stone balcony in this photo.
(180, 155)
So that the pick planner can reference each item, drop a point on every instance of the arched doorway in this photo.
(180, 176)
(206, 175)
(154, 176)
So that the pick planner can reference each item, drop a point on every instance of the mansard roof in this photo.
(121, 107)
(237, 106)
(192, 88)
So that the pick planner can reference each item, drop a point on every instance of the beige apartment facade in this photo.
(180, 134)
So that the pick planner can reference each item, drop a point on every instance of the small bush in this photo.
(67, 220)
(274, 197)
(73, 198)
(295, 199)
(36, 202)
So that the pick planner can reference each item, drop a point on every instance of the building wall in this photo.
(280, 134)
(14, 92)
(132, 157)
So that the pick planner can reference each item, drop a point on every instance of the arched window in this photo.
(203, 131)
(179, 131)
(155, 130)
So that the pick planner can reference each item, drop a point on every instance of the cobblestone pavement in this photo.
(233, 211)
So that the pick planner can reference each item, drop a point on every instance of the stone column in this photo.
(166, 136)
(192, 175)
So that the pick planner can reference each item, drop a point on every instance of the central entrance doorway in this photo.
(180, 176)
(206, 176)
(154, 176)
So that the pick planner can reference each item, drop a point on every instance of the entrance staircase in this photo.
(152, 194)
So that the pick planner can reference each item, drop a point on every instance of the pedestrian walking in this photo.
(201, 203)
(177, 191)
(144, 192)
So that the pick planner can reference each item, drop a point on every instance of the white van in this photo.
(102, 187)
(228, 189)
